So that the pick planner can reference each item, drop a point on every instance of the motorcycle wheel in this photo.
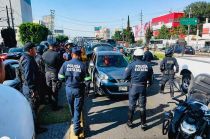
(165, 126)
(171, 134)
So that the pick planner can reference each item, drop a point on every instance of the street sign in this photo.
(97, 28)
(188, 21)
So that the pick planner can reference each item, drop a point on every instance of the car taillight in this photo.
(3, 57)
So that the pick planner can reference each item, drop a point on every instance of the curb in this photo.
(70, 133)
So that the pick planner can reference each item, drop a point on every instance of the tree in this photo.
(163, 33)
(9, 37)
(128, 34)
(62, 38)
(200, 10)
(140, 42)
(33, 32)
(148, 35)
(117, 36)
(176, 31)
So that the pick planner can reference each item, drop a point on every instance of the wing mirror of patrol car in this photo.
(91, 64)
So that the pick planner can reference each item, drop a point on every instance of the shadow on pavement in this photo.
(110, 116)
(154, 116)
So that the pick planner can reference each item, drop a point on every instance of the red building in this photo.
(169, 20)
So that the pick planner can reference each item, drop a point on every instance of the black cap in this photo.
(28, 46)
(53, 44)
(76, 50)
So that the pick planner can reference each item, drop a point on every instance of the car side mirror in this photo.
(91, 64)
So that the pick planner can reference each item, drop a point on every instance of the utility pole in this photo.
(13, 26)
(122, 30)
(52, 17)
(188, 31)
(8, 22)
(141, 20)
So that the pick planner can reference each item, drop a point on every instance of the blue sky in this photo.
(78, 17)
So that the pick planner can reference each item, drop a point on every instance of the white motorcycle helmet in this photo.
(138, 52)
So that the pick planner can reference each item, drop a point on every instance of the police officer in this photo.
(138, 72)
(53, 63)
(74, 72)
(30, 74)
(42, 80)
(39, 59)
(148, 56)
(68, 46)
(167, 67)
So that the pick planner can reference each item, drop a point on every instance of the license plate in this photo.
(123, 88)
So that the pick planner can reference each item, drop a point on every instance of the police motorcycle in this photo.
(191, 118)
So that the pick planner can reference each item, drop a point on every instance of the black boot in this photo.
(143, 120)
(130, 118)
(162, 89)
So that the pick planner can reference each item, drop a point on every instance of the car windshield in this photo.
(111, 61)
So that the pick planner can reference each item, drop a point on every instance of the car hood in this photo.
(113, 72)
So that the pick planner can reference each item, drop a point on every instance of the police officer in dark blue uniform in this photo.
(30, 77)
(167, 67)
(148, 56)
(74, 72)
(139, 72)
(53, 63)
(42, 80)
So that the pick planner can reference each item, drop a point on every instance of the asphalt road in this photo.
(106, 117)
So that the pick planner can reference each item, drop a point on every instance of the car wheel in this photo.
(95, 88)
(185, 82)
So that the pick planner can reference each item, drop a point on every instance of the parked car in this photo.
(106, 69)
(118, 47)
(15, 53)
(112, 42)
(11, 79)
(187, 49)
(90, 49)
(205, 49)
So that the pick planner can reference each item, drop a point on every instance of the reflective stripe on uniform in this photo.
(87, 78)
(61, 76)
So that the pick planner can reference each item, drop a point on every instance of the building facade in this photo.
(22, 13)
(169, 20)
(206, 30)
(103, 33)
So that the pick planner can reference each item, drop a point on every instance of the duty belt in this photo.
(139, 84)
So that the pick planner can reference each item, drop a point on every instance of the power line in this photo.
(83, 24)
(77, 20)
(74, 29)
